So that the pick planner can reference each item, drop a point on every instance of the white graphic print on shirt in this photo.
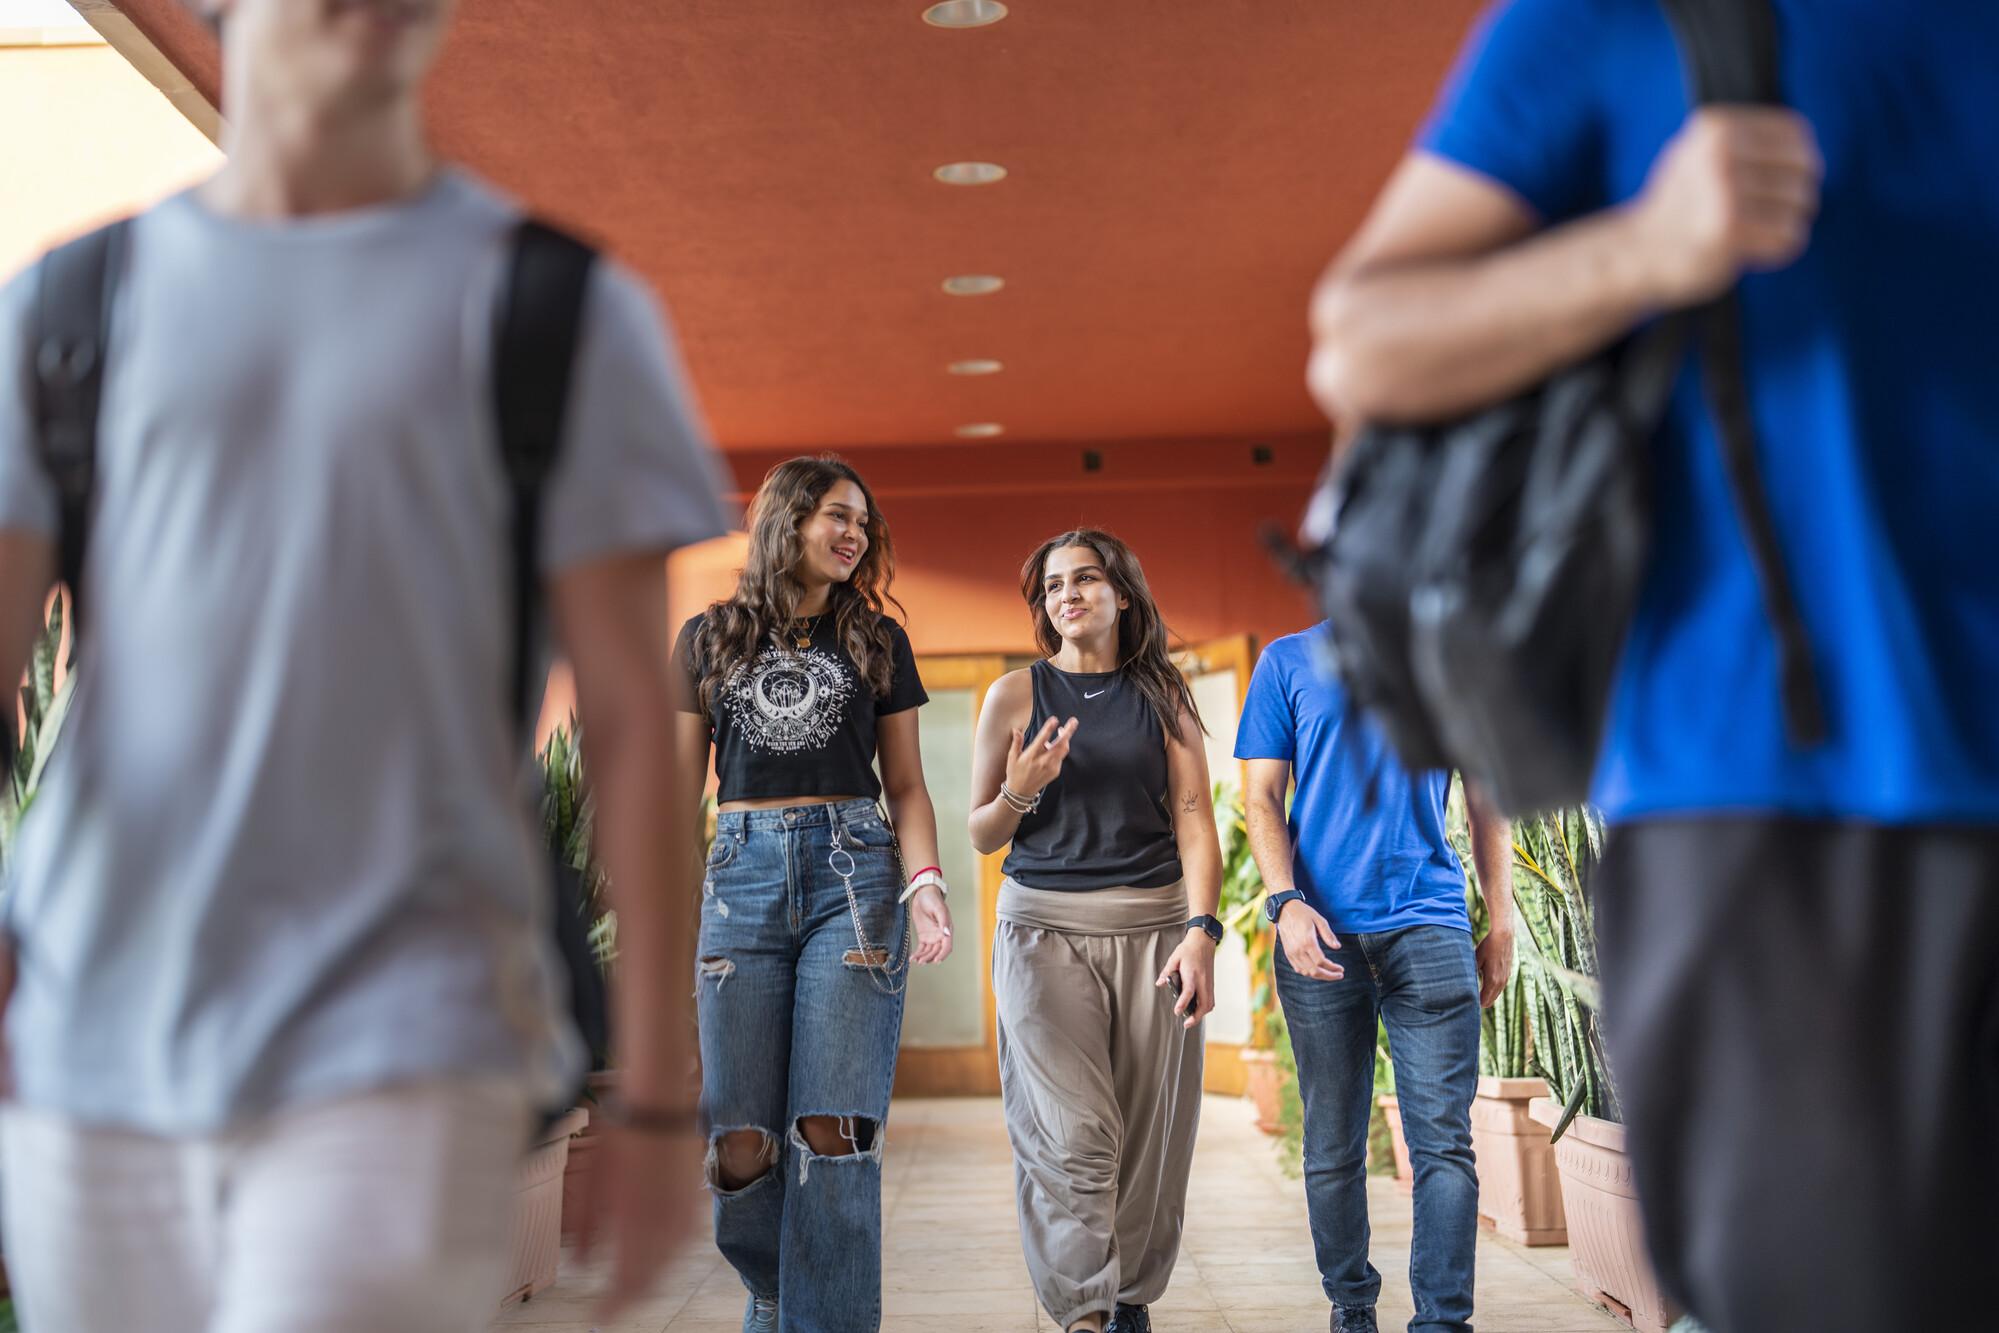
(786, 702)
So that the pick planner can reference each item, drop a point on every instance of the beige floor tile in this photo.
(952, 1257)
(988, 1322)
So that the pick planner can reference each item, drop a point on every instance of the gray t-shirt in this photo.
(282, 851)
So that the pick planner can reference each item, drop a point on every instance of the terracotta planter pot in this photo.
(576, 1181)
(1264, 1086)
(537, 1231)
(1606, 1237)
(582, 1155)
(1519, 1187)
(1391, 1111)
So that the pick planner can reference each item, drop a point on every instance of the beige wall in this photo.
(83, 138)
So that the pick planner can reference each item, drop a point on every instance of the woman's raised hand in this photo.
(1034, 762)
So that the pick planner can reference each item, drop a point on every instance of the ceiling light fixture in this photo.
(980, 430)
(970, 173)
(964, 13)
(973, 284)
(976, 366)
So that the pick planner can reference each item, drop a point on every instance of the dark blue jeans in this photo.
(1423, 984)
(795, 1024)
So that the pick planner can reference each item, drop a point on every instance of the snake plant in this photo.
(44, 704)
(1545, 1022)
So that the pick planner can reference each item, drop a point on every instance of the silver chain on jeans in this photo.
(889, 967)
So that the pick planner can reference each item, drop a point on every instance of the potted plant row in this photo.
(552, 1182)
(1556, 856)
(1519, 1189)
(568, 824)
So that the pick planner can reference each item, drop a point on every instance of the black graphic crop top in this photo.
(797, 722)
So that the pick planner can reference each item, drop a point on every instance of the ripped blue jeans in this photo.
(795, 1023)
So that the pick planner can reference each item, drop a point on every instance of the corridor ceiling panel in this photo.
(1177, 172)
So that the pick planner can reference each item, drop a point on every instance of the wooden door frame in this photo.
(963, 1071)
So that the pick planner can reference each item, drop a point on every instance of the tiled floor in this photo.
(953, 1252)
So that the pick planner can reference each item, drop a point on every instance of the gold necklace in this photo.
(801, 634)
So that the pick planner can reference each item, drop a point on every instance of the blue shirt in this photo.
(1873, 372)
(1365, 868)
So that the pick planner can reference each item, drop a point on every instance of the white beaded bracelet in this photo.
(926, 877)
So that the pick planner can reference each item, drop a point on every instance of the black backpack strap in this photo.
(534, 356)
(75, 286)
(1730, 48)
(535, 337)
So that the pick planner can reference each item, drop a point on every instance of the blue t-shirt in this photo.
(1873, 372)
(1364, 869)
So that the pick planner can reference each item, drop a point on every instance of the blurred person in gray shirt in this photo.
(284, 1001)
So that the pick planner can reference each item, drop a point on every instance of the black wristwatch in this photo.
(1273, 906)
(1209, 926)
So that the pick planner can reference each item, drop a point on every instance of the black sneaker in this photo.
(1354, 1319)
(1129, 1319)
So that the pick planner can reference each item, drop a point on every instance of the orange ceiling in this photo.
(1179, 172)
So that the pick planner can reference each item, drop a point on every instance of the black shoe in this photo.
(1354, 1319)
(1129, 1319)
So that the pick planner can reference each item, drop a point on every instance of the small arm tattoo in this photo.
(1190, 802)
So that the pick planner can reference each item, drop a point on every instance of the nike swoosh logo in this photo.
(1088, 695)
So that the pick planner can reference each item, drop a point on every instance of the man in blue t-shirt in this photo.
(1369, 901)
(1800, 944)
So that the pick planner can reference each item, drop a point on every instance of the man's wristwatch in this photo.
(1208, 926)
(1273, 906)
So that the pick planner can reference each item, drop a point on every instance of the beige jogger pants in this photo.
(1102, 1090)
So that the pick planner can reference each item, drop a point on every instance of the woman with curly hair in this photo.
(799, 683)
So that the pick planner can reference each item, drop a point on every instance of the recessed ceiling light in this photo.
(970, 173)
(980, 430)
(973, 284)
(964, 13)
(976, 366)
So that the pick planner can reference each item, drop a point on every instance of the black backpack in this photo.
(1480, 574)
(534, 350)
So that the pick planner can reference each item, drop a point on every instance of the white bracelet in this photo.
(926, 877)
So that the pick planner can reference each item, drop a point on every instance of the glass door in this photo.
(1218, 672)
(949, 1046)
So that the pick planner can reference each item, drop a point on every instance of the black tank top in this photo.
(1106, 820)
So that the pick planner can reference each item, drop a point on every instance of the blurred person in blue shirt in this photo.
(1800, 944)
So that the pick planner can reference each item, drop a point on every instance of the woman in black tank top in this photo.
(1091, 765)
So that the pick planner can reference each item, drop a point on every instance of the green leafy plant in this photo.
(44, 704)
(1545, 1022)
(1555, 856)
(1505, 1048)
(568, 824)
